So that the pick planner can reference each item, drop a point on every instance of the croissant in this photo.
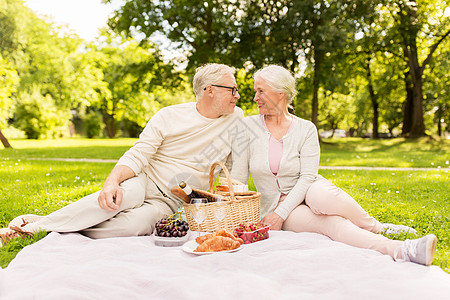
(205, 237)
(228, 233)
(218, 243)
(219, 232)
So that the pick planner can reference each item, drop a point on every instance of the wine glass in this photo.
(221, 208)
(198, 211)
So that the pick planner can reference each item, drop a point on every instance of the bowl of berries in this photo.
(171, 231)
(253, 232)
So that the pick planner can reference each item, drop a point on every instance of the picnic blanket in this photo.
(286, 266)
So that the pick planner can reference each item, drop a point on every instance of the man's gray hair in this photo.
(280, 80)
(210, 74)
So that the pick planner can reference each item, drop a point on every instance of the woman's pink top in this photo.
(275, 149)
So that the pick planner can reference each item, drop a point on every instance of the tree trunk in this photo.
(373, 99)
(418, 125)
(411, 25)
(109, 125)
(4, 140)
(409, 104)
(318, 58)
(439, 127)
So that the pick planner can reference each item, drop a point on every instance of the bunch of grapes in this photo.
(172, 226)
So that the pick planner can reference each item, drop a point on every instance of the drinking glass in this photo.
(198, 211)
(221, 209)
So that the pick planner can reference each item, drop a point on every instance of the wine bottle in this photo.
(188, 190)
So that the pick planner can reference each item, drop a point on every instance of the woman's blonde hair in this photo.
(209, 74)
(280, 80)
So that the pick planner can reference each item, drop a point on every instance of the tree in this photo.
(44, 59)
(132, 73)
(419, 30)
(436, 95)
(39, 117)
(204, 29)
(294, 32)
(8, 81)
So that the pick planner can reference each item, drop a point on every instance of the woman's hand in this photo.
(274, 221)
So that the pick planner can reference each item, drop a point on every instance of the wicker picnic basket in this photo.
(241, 207)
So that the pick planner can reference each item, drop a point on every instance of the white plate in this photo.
(190, 246)
(170, 241)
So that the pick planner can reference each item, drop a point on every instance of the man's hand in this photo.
(274, 221)
(110, 197)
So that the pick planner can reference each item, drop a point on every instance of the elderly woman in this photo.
(282, 152)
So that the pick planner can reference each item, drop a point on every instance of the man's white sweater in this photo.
(179, 143)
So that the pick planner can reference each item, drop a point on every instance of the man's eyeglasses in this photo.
(233, 89)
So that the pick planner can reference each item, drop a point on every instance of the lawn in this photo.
(416, 198)
(399, 152)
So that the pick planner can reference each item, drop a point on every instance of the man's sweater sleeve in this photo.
(139, 156)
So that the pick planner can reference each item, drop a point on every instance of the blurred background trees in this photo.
(377, 68)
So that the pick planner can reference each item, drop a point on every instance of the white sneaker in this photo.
(397, 229)
(420, 251)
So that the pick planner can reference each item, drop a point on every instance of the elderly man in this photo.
(180, 142)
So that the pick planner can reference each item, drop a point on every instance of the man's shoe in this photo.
(23, 220)
(6, 234)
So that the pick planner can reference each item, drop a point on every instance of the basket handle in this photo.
(227, 174)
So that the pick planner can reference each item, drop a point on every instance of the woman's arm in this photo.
(309, 166)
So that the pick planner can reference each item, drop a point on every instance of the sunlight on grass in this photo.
(69, 148)
(71, 142)
(399, 152)
(42, 187)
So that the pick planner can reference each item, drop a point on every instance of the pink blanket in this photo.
(286, 266)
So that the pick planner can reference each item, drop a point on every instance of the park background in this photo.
(373, 71)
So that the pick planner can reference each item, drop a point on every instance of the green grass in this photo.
(41, 187)
(399, 152)
(416, 198)
(68, 148)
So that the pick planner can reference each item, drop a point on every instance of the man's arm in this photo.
(110, 196)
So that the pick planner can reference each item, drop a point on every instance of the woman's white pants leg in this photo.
(330, 211)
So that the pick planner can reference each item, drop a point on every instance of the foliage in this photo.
(93, 124)
(415, 33)
(38, 117)
(8, 81)
(245, 83)
(133, 74)
(132, 129)
(204, 29)
(436, 94)
(354, 59)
